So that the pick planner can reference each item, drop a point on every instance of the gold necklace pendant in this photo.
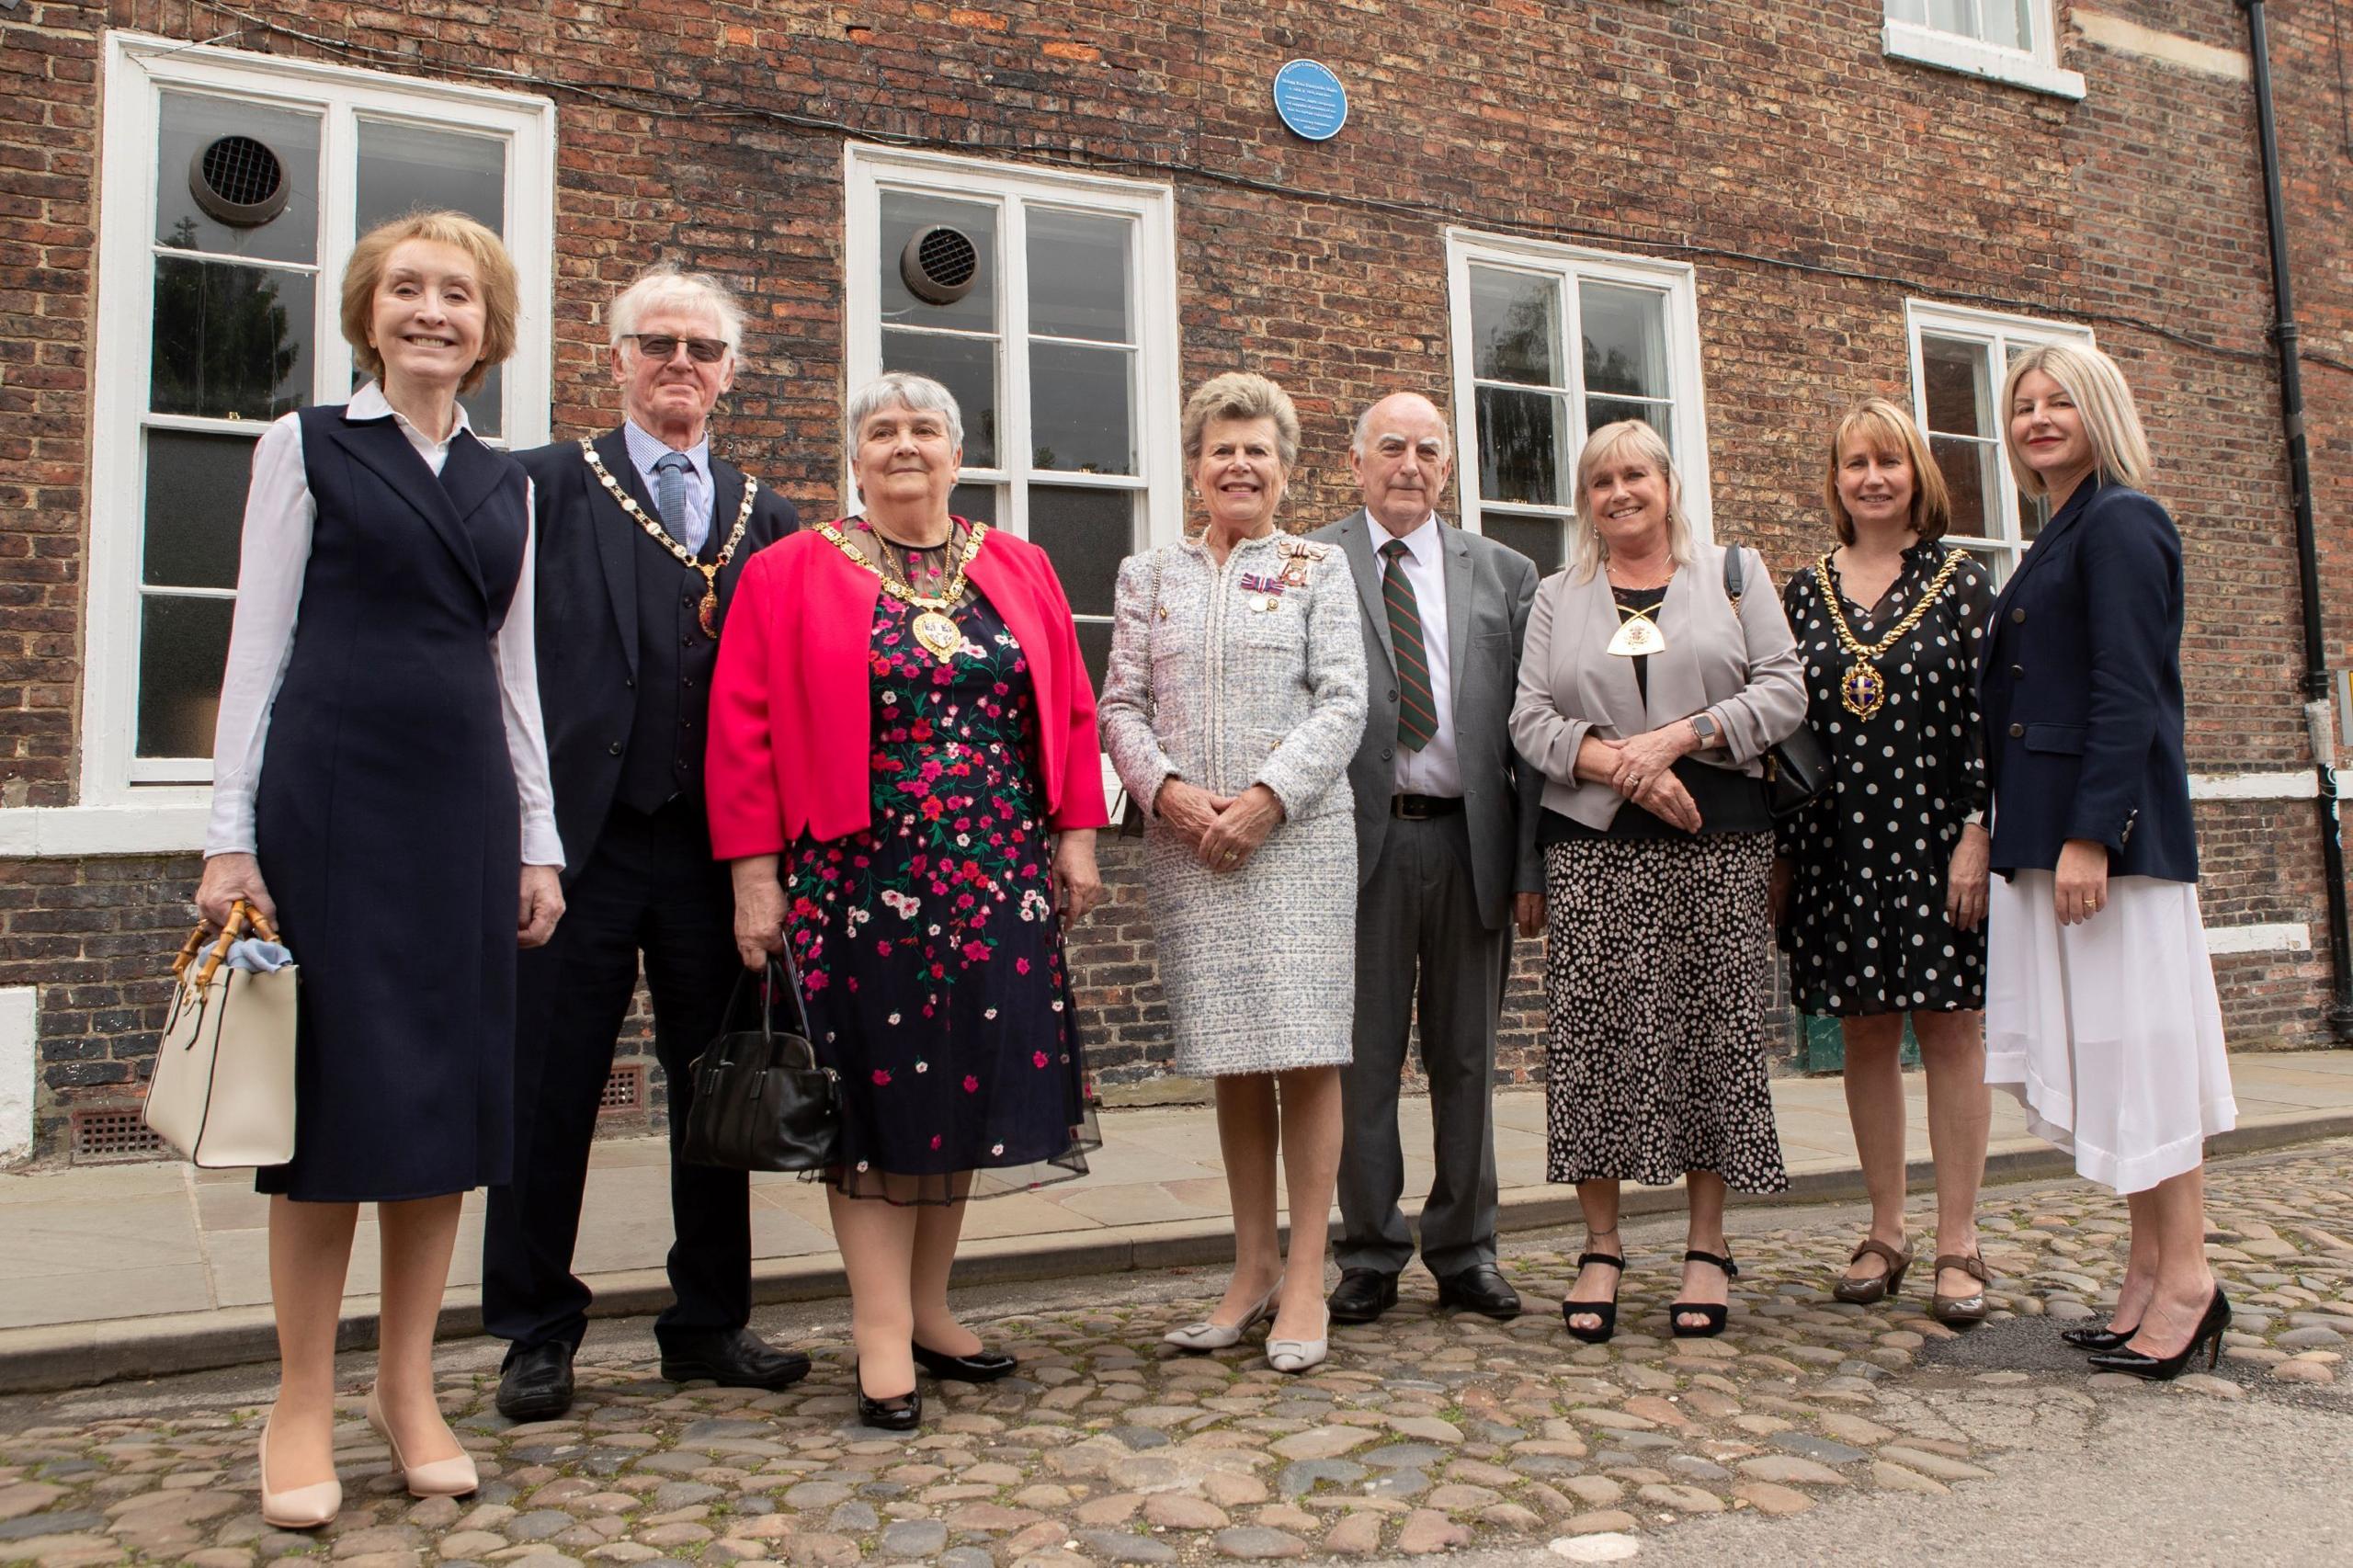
(936, 631)
(938, 635)
(1862, 690)
(1636, 638)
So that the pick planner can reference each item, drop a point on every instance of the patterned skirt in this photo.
(1657, 968)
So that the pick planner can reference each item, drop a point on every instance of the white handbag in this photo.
(224, 1089)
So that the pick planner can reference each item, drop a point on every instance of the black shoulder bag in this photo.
(762, 1103)
(1795, 769)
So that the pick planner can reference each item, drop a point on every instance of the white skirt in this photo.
(2108, 1032)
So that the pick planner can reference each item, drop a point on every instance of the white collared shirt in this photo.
(274, 554)
(644, 452)
(1433, 770)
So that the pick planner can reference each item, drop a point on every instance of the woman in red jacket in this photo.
(903, 774)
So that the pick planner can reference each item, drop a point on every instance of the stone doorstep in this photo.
(81, 1355)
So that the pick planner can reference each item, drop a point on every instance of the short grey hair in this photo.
(1239, 394)
(670, 288)
(1364, 422)
(901, 389)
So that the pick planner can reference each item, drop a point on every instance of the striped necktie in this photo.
(1417, 709)
(670, 499)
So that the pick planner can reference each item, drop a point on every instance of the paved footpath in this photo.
(1425, 1433)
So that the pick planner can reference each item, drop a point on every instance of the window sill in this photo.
(162, 828)
(1950, 51)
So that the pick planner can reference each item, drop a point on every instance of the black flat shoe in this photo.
(1605, 1310)
(981, 1367)
(736, 1359)
(2099, 1339)
(2165, 1368)
(536, 1384)
(1483, 1288)
(1362, 1295)
(900, 1413)
(1715, 1315)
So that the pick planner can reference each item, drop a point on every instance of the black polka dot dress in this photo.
(1866, 929)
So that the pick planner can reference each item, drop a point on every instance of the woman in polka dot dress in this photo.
(1880, 884)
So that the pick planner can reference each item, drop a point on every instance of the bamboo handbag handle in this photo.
(242, 917)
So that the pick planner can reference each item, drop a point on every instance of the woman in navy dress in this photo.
(381, 790)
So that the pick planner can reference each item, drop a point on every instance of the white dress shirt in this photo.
(1433, 770)
(275, 553)
(644, 452)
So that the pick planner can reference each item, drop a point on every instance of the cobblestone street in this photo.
(1424, 1434)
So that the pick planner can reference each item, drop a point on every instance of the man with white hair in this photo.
(642, 535)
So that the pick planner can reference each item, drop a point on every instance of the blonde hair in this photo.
(1239, 394)
(2119, 446)
(1586, 550)
(494, 274)
(1888, 428)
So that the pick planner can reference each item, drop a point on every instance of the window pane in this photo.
(1625, 339)
(1079, 404)
(409, 168)
(1523, 446)
(1968, 468)
(2034, 511)
(183, 647)
(1953, 16)
(196, 507)
(1542, 540)
(230, 339)
(1659, 416)
(1094, 647)
(189, 125)
(1956, 386)
(486, 405)
(1087, 534)
(1907, 10)
(2005, 23)
(966, 367)
(903, 215)
(974, 504)
(1515, 327)
(1078, 275)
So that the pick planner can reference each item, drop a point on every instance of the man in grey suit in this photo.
(1446, 861)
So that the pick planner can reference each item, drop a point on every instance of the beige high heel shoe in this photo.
(297, 1508)
(1208, 1335)
(441, 1478)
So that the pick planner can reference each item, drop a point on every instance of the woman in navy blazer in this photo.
(2101, 1014)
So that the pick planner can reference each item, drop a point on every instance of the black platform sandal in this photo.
(1715, 1314)
(1605, 1310)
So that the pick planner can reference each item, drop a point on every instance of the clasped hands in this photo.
(1642, 768)
(1223, 829)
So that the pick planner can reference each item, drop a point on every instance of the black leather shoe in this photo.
(900, 1413)
(732, 1358)
(536, 1384)
(981, 1366)
(1483, 1288)
(1362, 1295)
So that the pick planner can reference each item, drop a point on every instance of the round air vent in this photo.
(939, 265)
(239, 181)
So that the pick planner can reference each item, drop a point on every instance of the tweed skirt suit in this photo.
(1226, 676)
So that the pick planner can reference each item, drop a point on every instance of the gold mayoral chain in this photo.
(707, 612)
(1862, 690)
(933, 628)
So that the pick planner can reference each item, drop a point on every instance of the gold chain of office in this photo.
(707, 612)
(933, 628)
(1862, 690)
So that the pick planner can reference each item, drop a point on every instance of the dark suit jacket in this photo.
(2081, 687)
(587, 588)
(1489, 587)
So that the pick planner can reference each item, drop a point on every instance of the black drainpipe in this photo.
(2285, 334)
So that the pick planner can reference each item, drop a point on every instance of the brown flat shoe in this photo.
(1877, 1287)
(1966, 1309)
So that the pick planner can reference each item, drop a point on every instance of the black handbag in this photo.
(1796, 769)
(762, 1102)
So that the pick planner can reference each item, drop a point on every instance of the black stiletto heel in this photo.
(2165, 1368)
(1716, 1315)
(2099, 1339)
(1605, 1310)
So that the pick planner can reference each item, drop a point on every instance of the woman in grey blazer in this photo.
(1234, 699)
(1648, 698)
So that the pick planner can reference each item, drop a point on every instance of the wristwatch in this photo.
(1706, 729)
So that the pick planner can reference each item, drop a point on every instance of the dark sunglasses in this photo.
(661, 346)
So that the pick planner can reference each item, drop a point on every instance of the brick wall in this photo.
(1815, 186)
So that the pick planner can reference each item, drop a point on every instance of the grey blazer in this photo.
(1742, 668)
(1489, 589)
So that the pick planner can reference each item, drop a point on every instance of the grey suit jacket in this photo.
(1489, 589)
(1742, 668)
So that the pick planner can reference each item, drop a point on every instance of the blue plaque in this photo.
(1310, 100)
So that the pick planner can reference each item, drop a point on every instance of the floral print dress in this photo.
(929, 950)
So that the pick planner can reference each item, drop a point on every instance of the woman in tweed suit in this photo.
(1234, 699)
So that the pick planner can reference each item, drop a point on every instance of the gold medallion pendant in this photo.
(1862, 689)
(933, 626)
(707, 612)
(938, 635)
(1636, 636)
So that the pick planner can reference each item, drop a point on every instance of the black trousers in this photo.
(650, 887)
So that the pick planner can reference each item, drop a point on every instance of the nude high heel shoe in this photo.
(1296, 1356)
(441, 1478)
(297, 1508)
(1207, 1335)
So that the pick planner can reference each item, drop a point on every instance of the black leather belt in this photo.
(1421, 808)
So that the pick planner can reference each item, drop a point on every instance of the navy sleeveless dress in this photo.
(387, 823)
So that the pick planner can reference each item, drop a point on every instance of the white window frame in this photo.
(130, 805)
(1570, 265)
(1999, 334)
(2035, 67)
